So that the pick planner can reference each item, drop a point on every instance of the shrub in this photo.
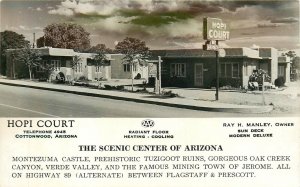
(213, 83)
(79, 84)
(120, 87)
(169, 94)
(92, 86)
(108, 87)
(142, 91)
(145, 84)
(178, 82)
(138, 76)
(60, 78)
(227, 82)
(151, 81)
(43, 79)
(257, 76)
(100, 79)
(82, 78)
(279, 82)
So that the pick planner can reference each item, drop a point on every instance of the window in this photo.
(56, 65)
(222, 71)
(178, 70)
(281, 71)
(134, 67)
(98, 69)
(235, 70)
(78, 68)
(126, 67)
(229, 70)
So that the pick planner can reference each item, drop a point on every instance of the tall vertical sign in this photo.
(215, 30)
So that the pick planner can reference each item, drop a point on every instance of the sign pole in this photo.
(263, 89)
(217, 73)
(214, 29)
(159, 75)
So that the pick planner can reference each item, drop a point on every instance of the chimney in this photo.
(33, 44)
(44, 40)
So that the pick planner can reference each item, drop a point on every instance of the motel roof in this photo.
(56, 51)
(188, 53)
(49, 51)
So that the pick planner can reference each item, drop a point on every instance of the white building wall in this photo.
(117, 69)
(288, 73)
(274, 64)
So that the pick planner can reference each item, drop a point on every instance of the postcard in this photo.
(149, 93)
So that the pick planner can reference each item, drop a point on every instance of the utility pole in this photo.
(33, 44)
(263, 89)
(159, 75)
(217, 73)
(131, 67)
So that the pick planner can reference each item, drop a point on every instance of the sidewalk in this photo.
(291, 90)
(285, 100)
(187, 103)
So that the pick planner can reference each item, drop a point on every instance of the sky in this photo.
(168, 24)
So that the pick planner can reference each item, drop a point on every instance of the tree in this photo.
(100, 47)
(99, 58)
(74, 63)
(65, 35)
(135, 52)
(291, 54)
(294, 64)
(31, 58)
(47, 69)
(10, 40)
(41, 42)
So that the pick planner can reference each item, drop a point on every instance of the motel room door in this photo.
(198, 75)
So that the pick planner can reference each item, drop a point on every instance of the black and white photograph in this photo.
(110, 58)
(149, 93)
